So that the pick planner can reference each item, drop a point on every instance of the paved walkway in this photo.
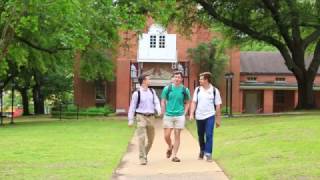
(159, 167)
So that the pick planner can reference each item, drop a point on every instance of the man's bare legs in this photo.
(167, 137)
(176, 144)
(172, 147)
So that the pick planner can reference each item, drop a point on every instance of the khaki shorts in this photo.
(176, 122)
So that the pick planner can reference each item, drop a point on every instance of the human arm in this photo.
(132, 109)
(157, 105)
(163, 106)
(192, 109)
(193, 104)
(218, 103)
(218, 116)
(164, 100)
(187, 102)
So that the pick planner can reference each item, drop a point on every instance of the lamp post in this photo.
(226, 76)
(1, 102)
(229, 76)
(12, 100)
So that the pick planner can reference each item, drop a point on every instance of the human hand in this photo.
(130, 123)
(191, 117)
(218, 121)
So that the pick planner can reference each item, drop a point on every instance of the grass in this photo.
(281, 147)
(47, 148)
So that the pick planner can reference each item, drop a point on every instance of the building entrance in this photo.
(158, 90)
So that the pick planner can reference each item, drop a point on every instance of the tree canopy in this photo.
(291, 26)
(210, 57)
(40, 38)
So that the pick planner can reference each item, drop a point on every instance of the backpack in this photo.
(184, 92)
(138, 102)
(214, 97)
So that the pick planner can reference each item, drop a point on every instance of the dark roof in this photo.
(264, 63)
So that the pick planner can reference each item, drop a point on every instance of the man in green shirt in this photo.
(175, 105)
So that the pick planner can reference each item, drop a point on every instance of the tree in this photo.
(39, 39)
(211, 58)
(291, 26)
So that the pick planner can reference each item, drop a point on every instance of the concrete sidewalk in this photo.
(159, 167)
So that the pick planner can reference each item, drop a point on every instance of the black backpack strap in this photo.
(153, 93)
(214, 97)
(169, 90)
(138, 102)
(197, 90)
(184, 93)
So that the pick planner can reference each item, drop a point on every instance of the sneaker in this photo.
(143, 161)
(175, 159)
(209, 158)
(201, 154)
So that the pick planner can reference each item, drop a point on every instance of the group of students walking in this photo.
(174, 106)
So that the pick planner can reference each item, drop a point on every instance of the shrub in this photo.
(71, 110)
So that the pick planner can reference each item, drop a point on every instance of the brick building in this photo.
(261, 83)
(264, 83)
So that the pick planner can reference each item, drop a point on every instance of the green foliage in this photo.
(96, 65)
(7, 100)
(49, 27)
(211, 57)
(72, 111)
(40, 38)
(225, 109)
(256, 46)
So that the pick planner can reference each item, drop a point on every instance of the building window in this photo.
(252, 79)
(162, 41)
(153, 41)
(280, 97)
(100, 93)
(280, 79)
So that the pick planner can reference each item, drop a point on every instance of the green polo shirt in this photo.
(175, 101)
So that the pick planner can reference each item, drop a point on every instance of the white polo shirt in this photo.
(205, 107)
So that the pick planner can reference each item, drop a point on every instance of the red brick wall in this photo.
(290, 79)
(235, 68)
(268, 101)
(317, 99)
(84, 92)
(122, 85)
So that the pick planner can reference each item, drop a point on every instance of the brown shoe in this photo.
(175, 159)
(201, 154)
(169, 152)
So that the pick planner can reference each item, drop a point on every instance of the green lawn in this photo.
(47, 148)
(282, 147)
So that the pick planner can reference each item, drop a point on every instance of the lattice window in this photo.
(252, 78)
(153, 41)
(162, 41)
(280, 79)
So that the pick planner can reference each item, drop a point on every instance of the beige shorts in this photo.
(176, 122)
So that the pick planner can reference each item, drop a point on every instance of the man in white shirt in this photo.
(206, 108)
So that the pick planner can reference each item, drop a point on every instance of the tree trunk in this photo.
(38, 100)
(25, 101)
(305, 92)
